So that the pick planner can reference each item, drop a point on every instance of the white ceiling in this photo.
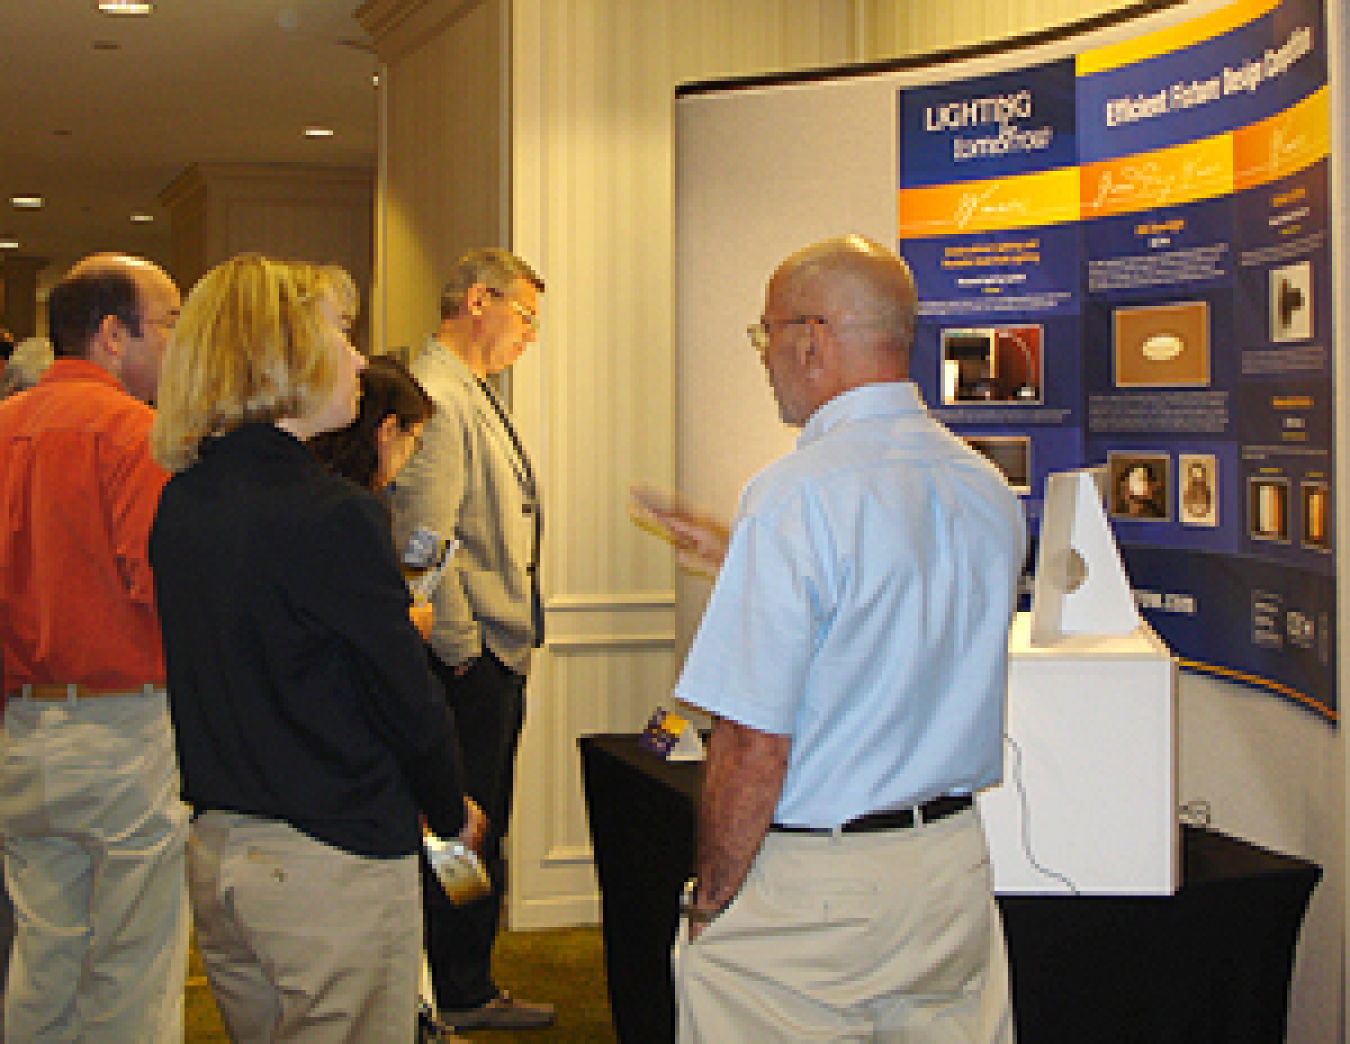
(99, 114)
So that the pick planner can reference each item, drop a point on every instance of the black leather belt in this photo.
(897, 819)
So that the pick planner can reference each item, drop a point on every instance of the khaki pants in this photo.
(94, 863)
(885, 936)
(303, 941)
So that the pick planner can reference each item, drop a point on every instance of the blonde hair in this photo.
(331, 281)
(248, 347)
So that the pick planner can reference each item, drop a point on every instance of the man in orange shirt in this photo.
(94, 830)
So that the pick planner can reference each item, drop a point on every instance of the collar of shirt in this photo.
(69, 368)
(861, 403)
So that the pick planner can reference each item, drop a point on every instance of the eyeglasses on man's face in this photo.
(759, 332)
(531, 319)
(164, 322)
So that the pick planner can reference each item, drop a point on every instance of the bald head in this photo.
(840, 314)
(858, 284)
(116, 310)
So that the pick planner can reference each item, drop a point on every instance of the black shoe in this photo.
(430, 1030)
(502, 1012)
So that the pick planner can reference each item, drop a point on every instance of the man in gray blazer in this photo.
(471, 479)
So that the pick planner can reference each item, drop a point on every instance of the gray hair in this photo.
(30, 358)
(495, 269)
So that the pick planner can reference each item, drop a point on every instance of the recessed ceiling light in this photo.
(142, 219)
(8, 243)
(318, 132)
(26, 202)
(124, 7)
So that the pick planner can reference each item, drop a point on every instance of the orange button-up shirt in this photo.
(78, 492)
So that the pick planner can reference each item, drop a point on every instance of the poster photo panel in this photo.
(1148, 199)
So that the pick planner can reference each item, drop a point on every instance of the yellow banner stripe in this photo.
(1284, 144)
(1264, 683)
(1175, 37)
(1025, 201)
(1165, 178)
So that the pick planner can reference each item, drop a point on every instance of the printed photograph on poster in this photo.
(1011, 454)
(1164, 345)
(1140, 484)
(1268, 508)
(999, 364)
(1291, 302)
(1199, 489)
(1316, 529)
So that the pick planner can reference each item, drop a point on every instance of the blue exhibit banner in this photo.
(991, 127)
(1123, 261)
(1236, 79)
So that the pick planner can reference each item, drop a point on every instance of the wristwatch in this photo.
(696, 914)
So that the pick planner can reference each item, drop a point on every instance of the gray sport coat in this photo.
(471, 479)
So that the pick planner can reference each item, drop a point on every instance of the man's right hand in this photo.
(700, 540)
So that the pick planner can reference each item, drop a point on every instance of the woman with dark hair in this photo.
(372, 449)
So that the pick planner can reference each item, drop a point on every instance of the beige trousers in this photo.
(94, 863)
(886, 936)
(302, 941)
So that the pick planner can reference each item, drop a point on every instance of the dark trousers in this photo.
(489, 706)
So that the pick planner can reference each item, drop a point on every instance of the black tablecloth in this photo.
(642, 829)
(1210, 964)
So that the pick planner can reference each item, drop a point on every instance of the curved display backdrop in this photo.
(1121, 242)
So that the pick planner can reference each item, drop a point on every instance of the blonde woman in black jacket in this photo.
(310, 733)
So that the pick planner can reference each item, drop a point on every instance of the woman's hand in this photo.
(475, 824)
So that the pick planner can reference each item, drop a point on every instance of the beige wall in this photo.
(592, 178)
(445, 149)
(896, 29)
(23, 314)
(320, 214)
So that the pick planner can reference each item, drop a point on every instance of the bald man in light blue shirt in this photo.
(854, 658)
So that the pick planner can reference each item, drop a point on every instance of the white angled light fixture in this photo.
(26, 202)
(318, 132)
(8, 243)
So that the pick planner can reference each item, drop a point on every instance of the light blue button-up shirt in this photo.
(863, 609)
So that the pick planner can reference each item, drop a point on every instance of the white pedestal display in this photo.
(1088, 800)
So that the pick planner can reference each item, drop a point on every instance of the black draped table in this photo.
(1209, 964)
